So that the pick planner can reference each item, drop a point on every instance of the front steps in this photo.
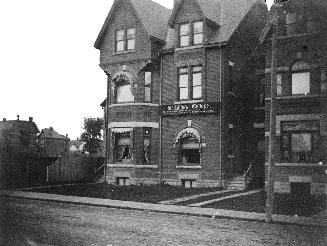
(236, 184)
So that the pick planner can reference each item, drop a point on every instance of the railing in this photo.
(248, 175)
(99, 172)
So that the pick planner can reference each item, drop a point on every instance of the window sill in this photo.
(123, 52)
(189, 47)
(133, 104)
(189, 167)
(188, 101)
(290, 164)
(295, 97)
(146, 166)
(121, 165)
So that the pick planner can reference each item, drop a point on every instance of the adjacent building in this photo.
(52, 144)
(301, 120)
(176, 103)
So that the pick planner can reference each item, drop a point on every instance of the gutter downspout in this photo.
(107, 129)
(160, 119)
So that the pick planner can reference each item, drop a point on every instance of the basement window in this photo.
(188, 183)
(122, 181)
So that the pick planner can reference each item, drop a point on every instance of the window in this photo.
(197, 82)
(184, 33)
(120, 40)
(197, 32)
(190, 89)
(146, 146)
(122, 150)
(279, 85)
(130, 38)
(123, 92)
(122, 181)
(188, 183)
(183, 84)
(125, 39)
(189, 151)
(300, 78)
(147, 86)
(189, 37)
(291, 25)
(300, 141)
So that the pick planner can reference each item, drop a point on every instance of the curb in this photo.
(169, 209)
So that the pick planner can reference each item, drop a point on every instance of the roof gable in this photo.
(210, 10)
(152, 16)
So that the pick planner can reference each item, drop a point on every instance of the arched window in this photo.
(189, 150)
(124, 92)
(300, 78)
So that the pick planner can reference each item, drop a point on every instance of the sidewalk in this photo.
(196, 211)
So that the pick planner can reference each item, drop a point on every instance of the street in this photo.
(31, 222)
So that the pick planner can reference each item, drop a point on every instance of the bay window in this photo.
(122, 149)
(124, 92)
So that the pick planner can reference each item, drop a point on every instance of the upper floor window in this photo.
(147, 86)
(184, 33)
(197, 32)
(190, 83)
(191, 34)
(291, 23)
(300, 78)
(125, 39)
(123, 92)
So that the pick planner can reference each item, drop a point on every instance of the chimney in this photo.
(30, 119)
(17, 116)
(4, 119)
(51, 128)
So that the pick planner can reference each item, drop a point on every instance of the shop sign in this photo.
(189, 108)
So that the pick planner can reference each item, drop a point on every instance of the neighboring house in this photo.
(18, 152)
(175, 89)
(51, 143)
(301, 120)
(76, 146)
(19, 136)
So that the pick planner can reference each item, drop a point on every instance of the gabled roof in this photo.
(76, 143)
(19, 124)
(152, 16)
(228, 14)
(210, 10)
(51, 133)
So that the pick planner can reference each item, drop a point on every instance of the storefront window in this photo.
(189, 151)
(300, 141)
(123, 150)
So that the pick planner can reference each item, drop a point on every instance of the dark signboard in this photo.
(190, 108)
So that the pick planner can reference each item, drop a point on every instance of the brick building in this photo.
(301, 120)
(176, 99)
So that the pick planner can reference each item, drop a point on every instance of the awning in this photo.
(121, 130)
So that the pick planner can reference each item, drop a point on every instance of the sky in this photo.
(49, 69)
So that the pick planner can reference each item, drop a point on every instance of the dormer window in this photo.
(125, 40)
(184, 35)
(191, 34)
(197, 32)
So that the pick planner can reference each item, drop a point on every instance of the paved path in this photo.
(187, 198)
(34, 222)
(206, 212)
(200, 204)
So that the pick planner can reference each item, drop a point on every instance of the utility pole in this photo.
(272, 123)
(106, 122)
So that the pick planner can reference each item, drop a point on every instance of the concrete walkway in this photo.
(199, 204)
(196, 211)
(187, 198)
